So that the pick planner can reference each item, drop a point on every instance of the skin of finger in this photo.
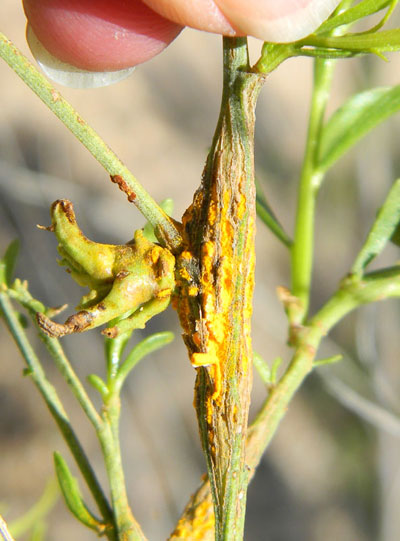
(199, 14)
(269, 20)
(280, 21)
(100, 35)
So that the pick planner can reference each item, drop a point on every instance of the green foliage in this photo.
(8, 262)
(266, 215)
(382, 230)
(355, 119)
(355, 13)
(73, 497)
(90, 265)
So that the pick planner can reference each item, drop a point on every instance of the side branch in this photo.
(168, 231)
(352, 293)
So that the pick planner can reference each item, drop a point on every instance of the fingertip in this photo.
(68, 75)
(274, 21)
(101, 35)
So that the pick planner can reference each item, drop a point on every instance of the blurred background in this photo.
(332, 471)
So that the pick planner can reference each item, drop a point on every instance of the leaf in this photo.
(114, 348)
(262, 368)
(265, 213)
(8, 262)
(353, 14)
(267, 374)
(358, 116)
(73, 496)
(144, 348)
(387, 219)
(364, 42)
(395, 238)
(99, 384)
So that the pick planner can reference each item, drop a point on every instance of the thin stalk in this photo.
(56, 409)
(56, 351)
(302, 251)
(126, 526)
(119, 173)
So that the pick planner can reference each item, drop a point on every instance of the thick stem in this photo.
(215, 280)
(197, 516)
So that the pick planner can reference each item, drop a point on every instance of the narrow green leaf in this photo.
(265, 213)
(367, 42)
(276, 363)
(395, 238)
(144, 348)
(267, 374)
(96, 382)
(73, 496)
(262, 368)
(8, 262)
(387, 219)
(359, 115)
(114, 347)
(353, 14)
(328, 360)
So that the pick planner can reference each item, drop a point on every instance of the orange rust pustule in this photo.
(218, 266)
(123, 186)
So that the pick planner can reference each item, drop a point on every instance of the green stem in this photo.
(310, 180)
(216, 322)
(56, 351)
(127, 527)
(351, 294)
(119, 173)
(56, 409)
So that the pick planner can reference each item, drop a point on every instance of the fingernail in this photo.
(67, 75)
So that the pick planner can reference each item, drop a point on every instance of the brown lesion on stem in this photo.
(74, 324)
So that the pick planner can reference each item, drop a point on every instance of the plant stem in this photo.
(126, 526)
(56, 351)
(303, 244)
(119, 173)
(56, 409)
(351, 294)
(218, 265)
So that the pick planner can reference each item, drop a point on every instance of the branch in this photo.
(165, 227)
